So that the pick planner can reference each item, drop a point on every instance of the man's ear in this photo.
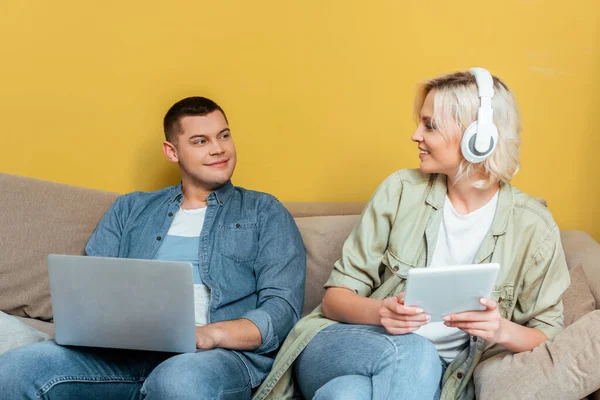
(170, 151)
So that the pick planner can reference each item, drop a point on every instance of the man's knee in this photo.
(23, 368)
(211, 374)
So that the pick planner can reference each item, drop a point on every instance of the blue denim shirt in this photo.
(251, 256)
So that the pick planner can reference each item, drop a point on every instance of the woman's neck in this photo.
(465, 198)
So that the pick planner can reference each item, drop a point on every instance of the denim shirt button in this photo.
(170, 214)
(158, 238)
(237, 226)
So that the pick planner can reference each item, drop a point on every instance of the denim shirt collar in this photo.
(220, 195)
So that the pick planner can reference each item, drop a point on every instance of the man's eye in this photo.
(200, 141)
(225, 136)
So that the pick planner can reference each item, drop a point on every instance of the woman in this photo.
(458, 208)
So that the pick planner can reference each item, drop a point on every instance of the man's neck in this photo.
(194, 196)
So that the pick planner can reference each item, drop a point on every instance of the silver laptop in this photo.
(123, 303)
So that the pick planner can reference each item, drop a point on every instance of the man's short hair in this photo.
(190, 106)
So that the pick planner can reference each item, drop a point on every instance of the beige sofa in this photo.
(39, 217)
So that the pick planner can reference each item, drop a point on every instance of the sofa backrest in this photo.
(39, 218)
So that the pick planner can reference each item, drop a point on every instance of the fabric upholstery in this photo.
(323, 238)
(577, 300)
(42, 326)
(38, 218)
(581, 248)
(14, 333)
(565, 369)
(317, 209)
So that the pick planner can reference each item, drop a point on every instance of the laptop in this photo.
(123, 303)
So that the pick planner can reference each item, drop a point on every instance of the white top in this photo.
(459, 239)
(182, 244)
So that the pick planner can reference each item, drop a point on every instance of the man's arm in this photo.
(280, 271)
(239, 334)
(106, 239)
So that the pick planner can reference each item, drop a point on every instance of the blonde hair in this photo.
(455, 105)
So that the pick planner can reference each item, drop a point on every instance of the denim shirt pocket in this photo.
(238, 241)
(504, 296)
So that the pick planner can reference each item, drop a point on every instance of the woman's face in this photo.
(439, 153)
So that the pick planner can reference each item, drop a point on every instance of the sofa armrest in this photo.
(581, 248)
(567, 368)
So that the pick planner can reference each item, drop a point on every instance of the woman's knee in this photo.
(348, 387)
(417, 355)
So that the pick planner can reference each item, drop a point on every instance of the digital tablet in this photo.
(441, 291)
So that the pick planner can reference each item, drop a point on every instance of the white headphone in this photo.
(481, 137)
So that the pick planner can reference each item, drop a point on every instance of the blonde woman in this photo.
(457, 208)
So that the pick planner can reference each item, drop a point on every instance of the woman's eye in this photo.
(430, 127)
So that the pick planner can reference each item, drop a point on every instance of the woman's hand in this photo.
(486, 324)
(399, 319)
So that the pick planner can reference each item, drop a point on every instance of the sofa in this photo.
(39, 217)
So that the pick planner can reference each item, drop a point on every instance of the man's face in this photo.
(204, 150)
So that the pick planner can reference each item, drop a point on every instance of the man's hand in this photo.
(207, 337)
(399, 319)
(238, 334)
(486, 324)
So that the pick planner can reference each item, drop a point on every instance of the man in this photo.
(249, 271)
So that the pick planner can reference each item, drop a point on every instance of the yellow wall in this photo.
(319, 93)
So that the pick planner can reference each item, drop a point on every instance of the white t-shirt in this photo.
(182, 244)
(459, 239)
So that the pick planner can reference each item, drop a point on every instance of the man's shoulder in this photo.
(260, 201)
(140, 197)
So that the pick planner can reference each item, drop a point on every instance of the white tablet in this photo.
(441, 291)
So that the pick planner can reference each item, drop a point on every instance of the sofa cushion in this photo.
(567, 368)
(14, 333)
(39, 325)
(38, 218)
(577, 300)
(581, 248)
(323, 238)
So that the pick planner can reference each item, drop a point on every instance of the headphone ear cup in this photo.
(467, 145)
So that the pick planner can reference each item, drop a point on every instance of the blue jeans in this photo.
(49, 371)
(346, 361)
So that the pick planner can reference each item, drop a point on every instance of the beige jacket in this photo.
(398, 230)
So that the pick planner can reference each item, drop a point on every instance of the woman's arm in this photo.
(490, 326)
(344, 305)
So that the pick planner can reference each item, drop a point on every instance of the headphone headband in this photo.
(479, 139)
(485, 82)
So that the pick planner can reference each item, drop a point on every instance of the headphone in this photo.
(481, 137)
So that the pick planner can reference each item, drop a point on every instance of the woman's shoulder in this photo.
(532, 211)
(409, 176)
(533, 225)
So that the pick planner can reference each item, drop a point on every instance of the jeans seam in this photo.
(78, 378)
(229, 391)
